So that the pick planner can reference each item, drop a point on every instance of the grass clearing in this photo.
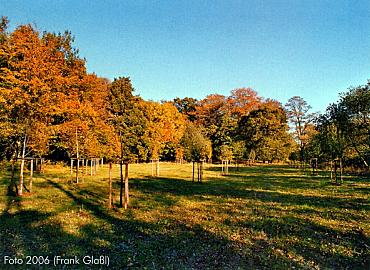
(265, 217)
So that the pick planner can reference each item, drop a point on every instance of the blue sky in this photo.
(281, 48)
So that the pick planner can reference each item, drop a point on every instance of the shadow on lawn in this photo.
(172, 244)
(316, 242)
(128, 242)
(240, 189)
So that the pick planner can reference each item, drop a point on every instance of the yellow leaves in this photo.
(165, 124)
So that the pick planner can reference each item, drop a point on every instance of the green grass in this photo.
(265, 217)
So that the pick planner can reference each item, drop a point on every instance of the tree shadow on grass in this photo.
(237, 189)
(315, 242)
(133, 243)
(170, 244)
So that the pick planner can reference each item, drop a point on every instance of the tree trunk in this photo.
(77, 169)
(31, 175)
(41, 165)
(82, 166)
(331, 170)
(91, 167)
(95, 168)
(71, 169)
(86, 166)
(157, 168)
(201, 170)
(193, 170)
(110, 186)
(20, 190)
(341, 170)
(121, 184)
(127, 200)
(12, 180)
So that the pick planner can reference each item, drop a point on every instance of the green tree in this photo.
(238, 151)
(186, 106)
(127, 117)
(265, 131)
(196, 145)
(356, 104)
(226, 152)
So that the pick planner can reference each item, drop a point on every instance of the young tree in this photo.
(127, 116)
(238, 151)
(197, 147)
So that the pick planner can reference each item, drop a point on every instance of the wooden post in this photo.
(110, 186)
(31, 175)
(127, 201)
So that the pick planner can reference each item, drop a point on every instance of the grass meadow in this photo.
(260, 217)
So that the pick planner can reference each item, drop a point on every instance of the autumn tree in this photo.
(214, 114)
(242, 101)
(165, 127)
(37, 71)
(302, 122)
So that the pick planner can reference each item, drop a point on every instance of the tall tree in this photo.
(36, 72)
(186, 106)
(301, 120)
(265, 131)
(356, 104)
(243, 101)
(127, 117)
(165, 127)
